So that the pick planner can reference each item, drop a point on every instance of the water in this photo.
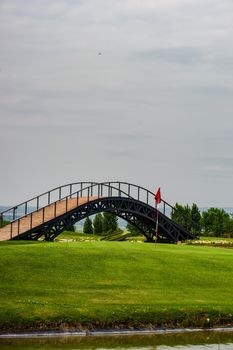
(188, 341)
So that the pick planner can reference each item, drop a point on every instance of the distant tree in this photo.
(216, 222)
(134, 231)
(70, 228)
(229, 227)
(195, 216)
(187, 217)
(182, 216)
(4, 223)
(98, 224)
(87, 226)
(109, 222)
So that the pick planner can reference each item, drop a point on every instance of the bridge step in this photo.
(40, 217)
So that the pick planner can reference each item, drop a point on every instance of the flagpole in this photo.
(157, 202)
(157, 222)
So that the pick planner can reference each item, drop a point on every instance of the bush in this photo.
(87, 227)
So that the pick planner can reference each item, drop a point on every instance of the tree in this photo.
(229, 227)
(182, 216)
(87, 227)
(195, 217)
(98, 224)
(70, 228)
(216, 222)
(4, 223)
(109, 222)
(187, 217)
(134, 231)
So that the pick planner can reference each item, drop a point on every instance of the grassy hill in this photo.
(114, 284)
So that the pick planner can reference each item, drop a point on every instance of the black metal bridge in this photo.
(47, 215)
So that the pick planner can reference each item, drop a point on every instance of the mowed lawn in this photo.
(108, 284)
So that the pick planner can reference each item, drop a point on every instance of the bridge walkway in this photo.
(41, 216)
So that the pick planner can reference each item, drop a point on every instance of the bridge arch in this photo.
(133, 203)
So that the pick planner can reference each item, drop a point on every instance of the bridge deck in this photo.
(40, 216)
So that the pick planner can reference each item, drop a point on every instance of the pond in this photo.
(185, 341)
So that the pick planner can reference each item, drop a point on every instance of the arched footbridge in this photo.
(47, 215)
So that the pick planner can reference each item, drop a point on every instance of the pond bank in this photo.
(112, 332)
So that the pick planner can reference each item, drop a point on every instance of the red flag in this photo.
(158, 196)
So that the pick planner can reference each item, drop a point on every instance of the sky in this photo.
(100, 90)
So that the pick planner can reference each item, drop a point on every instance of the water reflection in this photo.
(188, 341)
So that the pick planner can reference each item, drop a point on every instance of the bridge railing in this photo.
(144, 195)
(89, 190)
(38, 202)
(92, 191)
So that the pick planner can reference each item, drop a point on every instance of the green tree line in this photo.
(213, 222)
(105, 223)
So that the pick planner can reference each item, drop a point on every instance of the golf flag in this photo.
(158, 196)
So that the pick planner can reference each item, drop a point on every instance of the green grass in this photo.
(77, 237)
(108, 284)
(70, 236)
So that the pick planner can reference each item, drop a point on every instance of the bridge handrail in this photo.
(76, 193)
(165, 203)
(79, 183)
(64, 186)
(43, 194)
(25, 205)
(70, 196)
(145, 189)
(108, 184)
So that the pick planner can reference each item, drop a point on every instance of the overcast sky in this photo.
(154, 108)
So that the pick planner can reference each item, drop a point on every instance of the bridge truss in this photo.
(47, 215)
